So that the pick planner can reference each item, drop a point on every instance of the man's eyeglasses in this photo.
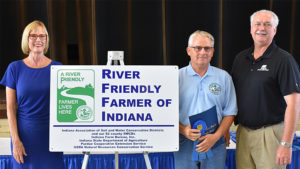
(199, 48)
(35, 36)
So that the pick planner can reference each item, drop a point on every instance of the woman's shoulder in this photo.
(15, 64)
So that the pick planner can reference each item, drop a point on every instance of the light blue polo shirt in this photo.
(197, 94)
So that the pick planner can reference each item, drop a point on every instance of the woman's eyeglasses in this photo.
(35, 36)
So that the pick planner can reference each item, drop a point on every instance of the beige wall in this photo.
(4, 129)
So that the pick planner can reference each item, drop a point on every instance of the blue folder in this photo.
(210, 118)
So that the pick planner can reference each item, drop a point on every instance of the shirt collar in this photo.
(266, 54)
(192, 72)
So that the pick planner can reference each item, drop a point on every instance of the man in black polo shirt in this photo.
(267, 83)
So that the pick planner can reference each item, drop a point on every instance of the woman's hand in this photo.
(19, 151)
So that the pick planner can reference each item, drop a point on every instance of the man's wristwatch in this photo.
(286, 144)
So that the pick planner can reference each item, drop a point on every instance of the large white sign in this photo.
(114, 108)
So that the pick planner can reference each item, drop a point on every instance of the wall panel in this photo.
(111, 28)
(283, 10)
(183, 17)
(296, 49)
(147, 44)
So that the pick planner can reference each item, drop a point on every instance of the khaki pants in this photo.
(256, 149)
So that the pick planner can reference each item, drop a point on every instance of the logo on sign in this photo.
(75, 96)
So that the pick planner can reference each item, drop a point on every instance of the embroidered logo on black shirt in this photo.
(263, 68)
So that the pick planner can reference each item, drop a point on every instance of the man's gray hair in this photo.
(275, 17)
(201, 33)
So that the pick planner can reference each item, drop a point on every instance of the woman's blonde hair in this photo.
(27, 31)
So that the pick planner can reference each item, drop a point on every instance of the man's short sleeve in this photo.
(289, 76)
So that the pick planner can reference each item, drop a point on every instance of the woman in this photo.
(27, 84)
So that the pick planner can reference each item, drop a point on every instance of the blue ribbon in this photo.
(200, 125)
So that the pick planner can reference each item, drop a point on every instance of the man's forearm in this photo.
(181, 128)
(291, 117)
(224, 126)
(290, 123)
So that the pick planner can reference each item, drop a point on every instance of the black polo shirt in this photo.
(261, 85)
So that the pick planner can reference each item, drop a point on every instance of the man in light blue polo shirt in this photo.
(203, 87)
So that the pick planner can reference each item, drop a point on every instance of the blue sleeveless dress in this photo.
(32, 87)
